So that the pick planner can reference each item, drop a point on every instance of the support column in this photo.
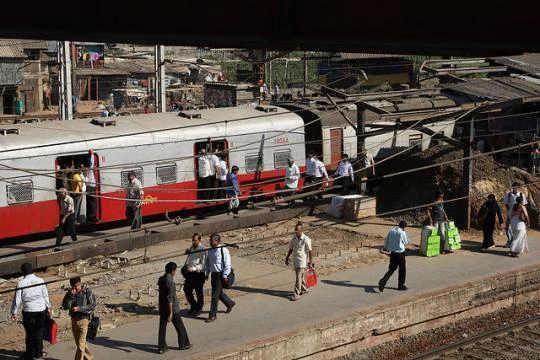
(64, 77)
(468, 171)
(159, 84)
(305, 72)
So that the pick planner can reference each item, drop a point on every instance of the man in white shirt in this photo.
(509, 201)
(195, 275)
(368, 171)
(395, 242)
(214, 171)
(204, 174)
(66, 223)
(311, 169)
(91, 203)
(300, 248)
(292, 174)
(321, 175)
(134, 201)
(222, 177)
(218, 262)
(345, 174)
(34, 299)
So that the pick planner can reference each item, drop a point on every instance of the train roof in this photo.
(237, 120)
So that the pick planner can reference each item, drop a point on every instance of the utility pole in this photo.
(159, 84)
(468, 170)
(64, 77)
(270, 83)
(305, 72)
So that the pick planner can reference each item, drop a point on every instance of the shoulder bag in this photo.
(231, 277)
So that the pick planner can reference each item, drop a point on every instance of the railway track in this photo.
(118, 241)
(518, 341)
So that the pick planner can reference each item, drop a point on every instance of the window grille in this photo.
(124, 176)
(252, 163)
(281, 159)
(22, 192)
(166, 174)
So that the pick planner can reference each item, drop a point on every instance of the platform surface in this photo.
(263, 309)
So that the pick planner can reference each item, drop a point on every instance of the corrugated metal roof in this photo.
(34, 44)
(11, 73)
(504, 88)
(529, 63)
(362, 56)
(11, 49)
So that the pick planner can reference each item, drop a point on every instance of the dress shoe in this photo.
(402, 288)
(186, 347)
(197, 313)
(163, 351)
(211, 319)
(381, 286)
(229, 308)
(295, 297)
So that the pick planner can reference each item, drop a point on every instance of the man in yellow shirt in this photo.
(76, 186)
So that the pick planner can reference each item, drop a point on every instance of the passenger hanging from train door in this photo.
(134, 201)
(222, 176)
(66, 221)
(91, 201)
(321, 176)
(311, 169)
(292, 174)
(233, 190)
(204, 175)
(76, 192)
(344, 174)
(214, 170)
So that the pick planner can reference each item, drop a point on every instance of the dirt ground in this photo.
(489, 176)
(128, 293)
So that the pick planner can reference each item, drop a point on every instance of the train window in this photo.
(166, 174)
(280, 159)
(253, 163)
(124, 176)
(415, 139)
(20, 192)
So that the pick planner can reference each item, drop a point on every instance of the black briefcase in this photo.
(93, 327)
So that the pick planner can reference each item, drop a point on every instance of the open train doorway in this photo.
(208, 182)
(79, 174)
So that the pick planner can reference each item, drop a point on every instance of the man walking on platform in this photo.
(195, 275)
(218, 262)
(35, 302)
(134, 201)
(81, 303)
(169, 311)
(300, 248)
(345, 174)
(395, 242)
(67, 218)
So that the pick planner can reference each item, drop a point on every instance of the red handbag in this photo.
(50, 330)
(311, 278)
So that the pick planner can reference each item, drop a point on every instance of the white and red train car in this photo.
(160, 148)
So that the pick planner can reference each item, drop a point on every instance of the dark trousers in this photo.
(308, 181)
(222, 193)
(346, 183)
(178, 324)
(218, 294)
(214, 184)
(91, 204)
(489, 228)
(194, 282)
(34, 323)
(205, 183)
(134, 217)
(319, 181)
(67, 227)
(396, 260)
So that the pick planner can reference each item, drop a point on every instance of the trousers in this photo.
(300, 284)
(183, 340)
(396, 260)
(77, 200)
(91, 204)
(34, 323)
(194, 282)
(218, 294)
(67, 227)
(80, 329)
(134, 217)
(441, 228)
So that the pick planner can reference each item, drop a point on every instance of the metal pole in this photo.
(468, 171)
(305, 72)
(159, 85)
(65, 100)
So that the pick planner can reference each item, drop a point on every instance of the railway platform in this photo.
(344, 312)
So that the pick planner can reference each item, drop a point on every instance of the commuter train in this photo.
(161, 149)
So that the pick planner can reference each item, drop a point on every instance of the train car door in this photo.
(204, 148)
(336, 147)
(87, 207)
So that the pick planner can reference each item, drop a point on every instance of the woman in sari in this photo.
(519, 222)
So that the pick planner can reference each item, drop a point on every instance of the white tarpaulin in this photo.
(336, 206)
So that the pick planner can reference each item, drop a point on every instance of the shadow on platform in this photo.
(134, 308)
(277, 293)
(347, 283)
(125, 346)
